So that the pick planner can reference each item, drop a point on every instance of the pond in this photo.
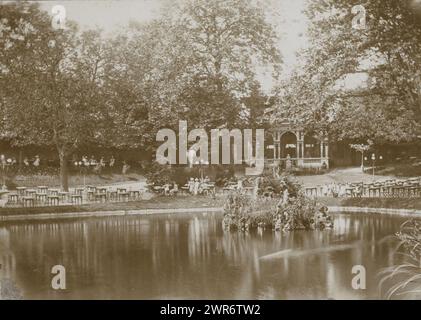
(190, 257)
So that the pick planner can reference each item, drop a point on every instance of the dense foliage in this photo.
(292, 211)
(67, 88)
(359, 83)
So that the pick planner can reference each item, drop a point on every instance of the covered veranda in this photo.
(287, 141)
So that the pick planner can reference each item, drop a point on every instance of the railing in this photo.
(312, 160)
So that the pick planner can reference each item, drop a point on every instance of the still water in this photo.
(191, 257)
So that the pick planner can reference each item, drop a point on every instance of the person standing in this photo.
(126, 168)
(112, 161)
(36, 161)
(191, 185)
(196, 186)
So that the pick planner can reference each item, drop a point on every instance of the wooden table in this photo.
(21, 190)
(53, 200)
(123, 196)
(54, 192)
(76, 198)
(13, 197)
(42, 197)
(134, 194)
(101, 190)
(101, 197)
(63, 195)
(28, 201)
(309, 191)
(42, 189)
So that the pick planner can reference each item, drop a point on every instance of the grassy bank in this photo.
(160, 202)
(179, 202)
(390, 203)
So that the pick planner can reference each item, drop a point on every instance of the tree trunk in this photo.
(64, 177)
(362, 162)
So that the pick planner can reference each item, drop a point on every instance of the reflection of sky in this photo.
(190, 256)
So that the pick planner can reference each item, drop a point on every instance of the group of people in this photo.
(36, 161)
(170, 189)
(197, 186)
(337, 190)
(97, 166)
(194, 186)
(92, 162)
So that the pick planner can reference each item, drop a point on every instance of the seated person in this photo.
(174, 190)
(167, 189)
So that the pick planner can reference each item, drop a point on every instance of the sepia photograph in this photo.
(233, 151)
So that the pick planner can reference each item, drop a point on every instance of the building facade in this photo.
(288, 141)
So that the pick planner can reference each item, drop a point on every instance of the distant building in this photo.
(286, 140)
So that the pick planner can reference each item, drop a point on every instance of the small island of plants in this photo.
(279, 204)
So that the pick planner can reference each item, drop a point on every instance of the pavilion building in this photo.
(289, 141)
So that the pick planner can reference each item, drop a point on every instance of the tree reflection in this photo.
(190, 256)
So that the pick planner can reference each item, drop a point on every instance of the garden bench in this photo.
(185, 189)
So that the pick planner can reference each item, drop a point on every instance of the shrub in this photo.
(405, 279)
(158, 174)
(292, 211)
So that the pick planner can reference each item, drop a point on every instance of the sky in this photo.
(110, 15)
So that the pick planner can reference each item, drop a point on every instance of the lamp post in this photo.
(81, 170)
(373, 161)
(4, 164)
(3, 174)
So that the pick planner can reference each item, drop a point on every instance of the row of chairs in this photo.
(42, 196)
(392, 188)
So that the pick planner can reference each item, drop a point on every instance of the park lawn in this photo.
(159, 202)
(188, 201)
(400, 170)
(390, 203)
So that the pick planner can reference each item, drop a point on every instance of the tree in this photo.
(362, 148)
(386, 54)
(51, 81)
(197, 61)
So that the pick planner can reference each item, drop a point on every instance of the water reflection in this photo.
(190, 256)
